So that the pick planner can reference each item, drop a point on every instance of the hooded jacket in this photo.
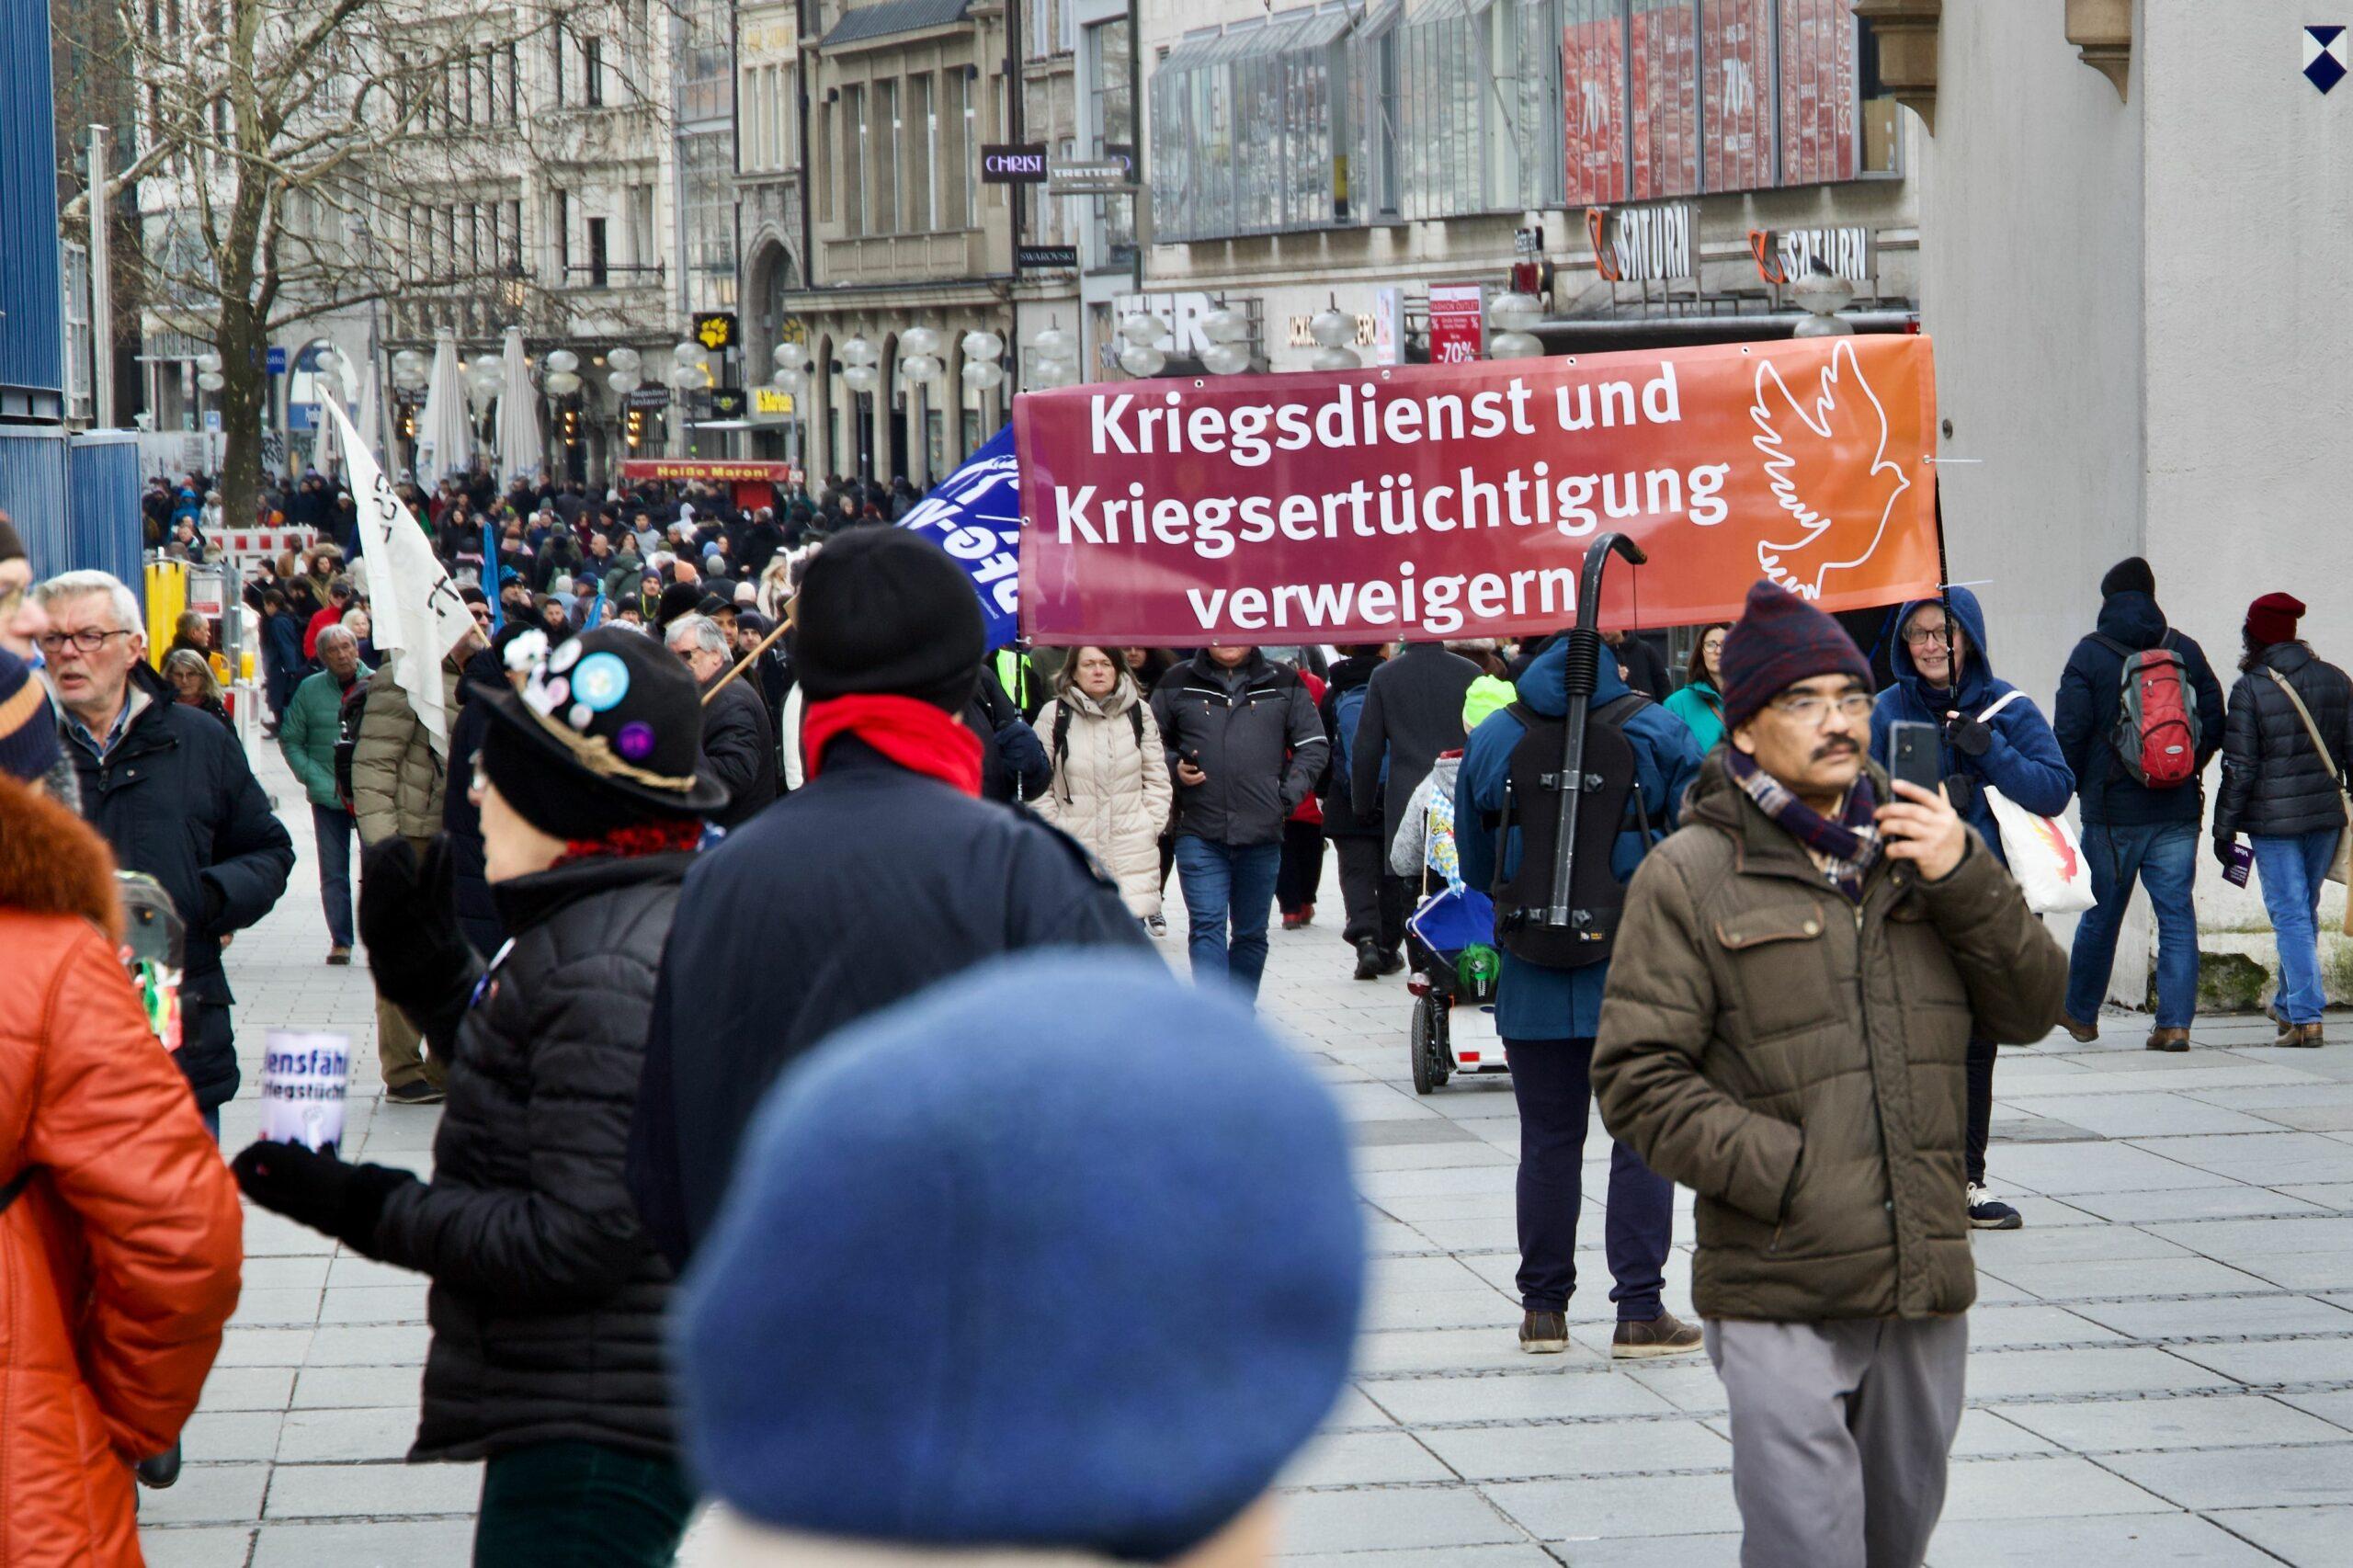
(1253, 730)
(177, 800)
(1413, 711)
(2083, 719)
(1533, 1001)
(2024, 761)
(1797, 1059)
(1342, 818)
(2274, 783)
(1111, 788)
(121, 1254)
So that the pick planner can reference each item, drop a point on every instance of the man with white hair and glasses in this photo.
(169, 788)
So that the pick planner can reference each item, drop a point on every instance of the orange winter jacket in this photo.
(119, 1261)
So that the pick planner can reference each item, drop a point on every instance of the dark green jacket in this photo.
(1797, 1060)
(306, 734)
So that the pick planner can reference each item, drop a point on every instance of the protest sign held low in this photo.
(304, 1080)
(1427, 502)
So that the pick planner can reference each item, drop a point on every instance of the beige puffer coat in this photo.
(1109, 792)
(396, 781)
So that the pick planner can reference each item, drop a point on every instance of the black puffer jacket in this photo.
(546, 1300)
(2274, 783)
(1254, 731)
(177, 800)
(461, 818)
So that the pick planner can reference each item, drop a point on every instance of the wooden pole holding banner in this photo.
(745, 661)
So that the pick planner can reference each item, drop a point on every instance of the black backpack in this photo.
(1533, 801)
(1061, 751)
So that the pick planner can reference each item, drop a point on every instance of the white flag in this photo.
(414, 610)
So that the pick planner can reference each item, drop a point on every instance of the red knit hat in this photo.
(2272, 618)
(1780, 641)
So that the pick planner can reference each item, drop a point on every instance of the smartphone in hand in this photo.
(1915, 753)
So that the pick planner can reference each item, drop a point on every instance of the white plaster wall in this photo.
(2030, 284)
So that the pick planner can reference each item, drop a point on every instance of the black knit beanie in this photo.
(2130, 575)
(882, 610)
(563, 802)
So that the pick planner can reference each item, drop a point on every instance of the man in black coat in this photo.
(1376, 915)
(882, 874)
(738, 742)
(2132, 832)
(171, 791)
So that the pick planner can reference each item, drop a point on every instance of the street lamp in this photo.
(1512, 319)
(1333, 332)
(1821, 295)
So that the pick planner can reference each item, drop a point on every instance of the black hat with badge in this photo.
(606, 732)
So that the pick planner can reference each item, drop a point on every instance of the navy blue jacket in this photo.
(2090, 692)
(177, 800)
(857, 890)
(2024, 764)
(1533, 1002)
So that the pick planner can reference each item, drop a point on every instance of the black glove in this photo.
(1969, 738)
(319, 1191)
(2224, 842)
(408, 917)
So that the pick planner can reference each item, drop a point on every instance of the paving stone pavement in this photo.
(2161, 1372)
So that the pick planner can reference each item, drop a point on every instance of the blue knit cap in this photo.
(28, 725)
(1063, 1254)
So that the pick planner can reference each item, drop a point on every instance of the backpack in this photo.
(1613, 804)
(1346, 708)
(2156, 734)
(1061, 749)
(346, 737)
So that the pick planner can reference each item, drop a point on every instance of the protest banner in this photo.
(304, 1078)
(975, 514)
(1439, 501)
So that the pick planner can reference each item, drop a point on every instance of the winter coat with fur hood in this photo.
(1110, 788)
(120, 1254)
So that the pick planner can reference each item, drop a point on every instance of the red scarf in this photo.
(665, 835)
(917, 735)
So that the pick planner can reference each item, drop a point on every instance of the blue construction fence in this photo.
(74, 498)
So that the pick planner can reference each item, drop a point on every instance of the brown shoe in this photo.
(2168, 1039)
(1665, 1334)
(1544, 1334)
(2084, 1033)
(2305, 1037)
(339, 954)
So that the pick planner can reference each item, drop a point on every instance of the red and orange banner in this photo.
(1437, 501)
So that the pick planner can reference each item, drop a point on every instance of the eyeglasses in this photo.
(1811, 706)
(1925, 636)
(89, 639)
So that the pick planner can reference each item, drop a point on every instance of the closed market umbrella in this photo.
(445, 434)
(519, 452)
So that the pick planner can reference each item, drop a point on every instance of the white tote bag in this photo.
(2045, 857)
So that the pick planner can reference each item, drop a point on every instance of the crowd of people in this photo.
(736, 920)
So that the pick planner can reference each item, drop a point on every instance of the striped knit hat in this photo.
(27, 727)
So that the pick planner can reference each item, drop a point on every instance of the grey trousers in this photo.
(1839, 1434)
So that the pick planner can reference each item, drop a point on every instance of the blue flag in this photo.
(975, 514)
(490, 565)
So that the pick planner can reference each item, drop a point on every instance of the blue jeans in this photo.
(2292, 870)
(2163, 858)
(334, 828)
(1228, 885)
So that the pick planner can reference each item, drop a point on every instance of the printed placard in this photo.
(304, 1078)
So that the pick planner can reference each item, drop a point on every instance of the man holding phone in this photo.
(1800, 970)
(1246, 747)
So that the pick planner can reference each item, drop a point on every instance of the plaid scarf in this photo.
(1850, 845)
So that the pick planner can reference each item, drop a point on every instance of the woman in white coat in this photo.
(1110, 789)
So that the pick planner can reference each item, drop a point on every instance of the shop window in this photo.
(1251, 132)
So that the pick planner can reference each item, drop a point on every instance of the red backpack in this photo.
(2156, 718)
